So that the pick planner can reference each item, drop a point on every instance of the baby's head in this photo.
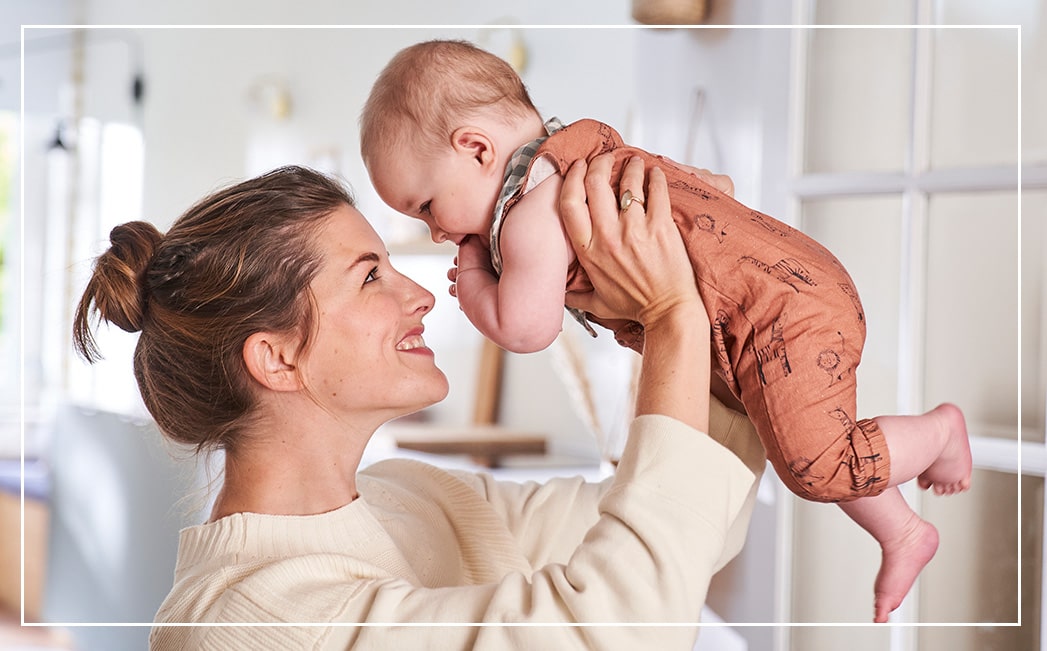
(440, 124)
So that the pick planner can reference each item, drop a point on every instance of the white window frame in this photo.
(1022, 453)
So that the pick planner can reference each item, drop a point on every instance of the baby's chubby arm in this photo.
(522, 311)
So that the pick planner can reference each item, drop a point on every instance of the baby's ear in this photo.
(474, 142)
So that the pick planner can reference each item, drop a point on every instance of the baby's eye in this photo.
(424, 208)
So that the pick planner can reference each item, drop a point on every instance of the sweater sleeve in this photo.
(662, 527)
(550, 519)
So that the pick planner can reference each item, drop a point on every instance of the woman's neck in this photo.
(293, 471)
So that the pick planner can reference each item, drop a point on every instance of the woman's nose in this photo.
(418, 298)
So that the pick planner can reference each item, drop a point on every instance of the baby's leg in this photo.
(932, 448)
(800, 394)
(907, 542)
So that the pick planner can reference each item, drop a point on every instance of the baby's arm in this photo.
(522, 311)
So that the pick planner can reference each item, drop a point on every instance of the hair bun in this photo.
(119, 294)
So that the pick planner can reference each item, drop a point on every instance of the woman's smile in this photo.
(413, 342)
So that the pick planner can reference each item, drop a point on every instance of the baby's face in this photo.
(450, 192)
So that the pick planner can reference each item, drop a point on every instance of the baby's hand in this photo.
(721, 182)
(472, 255)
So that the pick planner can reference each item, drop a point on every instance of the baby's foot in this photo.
(951, 471)
(903, 559)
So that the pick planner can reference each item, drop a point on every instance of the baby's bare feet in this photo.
(903, 560)
(951, 471)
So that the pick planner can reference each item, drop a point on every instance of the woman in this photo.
(273, 327)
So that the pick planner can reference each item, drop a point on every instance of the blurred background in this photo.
(907, 135)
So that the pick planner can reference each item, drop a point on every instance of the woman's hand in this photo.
(639, 269)
(634, 257)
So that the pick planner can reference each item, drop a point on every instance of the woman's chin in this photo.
(442, 388)
(429, 396)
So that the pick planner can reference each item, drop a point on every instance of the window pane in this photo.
(858, 95)
(112, 160)
(1034, 89)
(972, 308)
(1034, 287)
(975, 97)
(1031, 16)
(865, 233)
(9, 240)
(10, 372)
(863, 12)
(834, 568)
(974, 576)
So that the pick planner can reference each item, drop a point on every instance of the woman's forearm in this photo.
(640, 271)
(674, 376)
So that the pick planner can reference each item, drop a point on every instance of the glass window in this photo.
(8, 222)
(9, 286)
(861, 12)
(112, 159)
(852, 228)
(975, 123)
(1034, 89)
(1031, 16)
(974, 578)
(834, 569)
(973, 308)
(858, 96)
(1034, 289)
(7, 230)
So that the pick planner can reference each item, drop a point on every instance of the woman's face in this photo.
(367, 357)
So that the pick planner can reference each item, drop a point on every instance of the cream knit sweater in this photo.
(424, 546)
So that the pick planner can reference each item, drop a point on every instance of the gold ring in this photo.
(627, 200)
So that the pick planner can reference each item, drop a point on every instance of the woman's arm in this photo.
(663, 297)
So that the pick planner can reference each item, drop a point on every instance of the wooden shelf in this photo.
(486, 445)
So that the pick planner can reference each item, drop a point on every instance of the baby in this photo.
(449, 136)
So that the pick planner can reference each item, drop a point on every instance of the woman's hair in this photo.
(427, 89)
(239, 261)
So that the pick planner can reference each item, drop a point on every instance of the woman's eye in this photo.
(373, 275)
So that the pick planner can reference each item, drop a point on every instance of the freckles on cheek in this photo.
(335, 385)
(332, 381)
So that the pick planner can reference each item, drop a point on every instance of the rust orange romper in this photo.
(787, 325)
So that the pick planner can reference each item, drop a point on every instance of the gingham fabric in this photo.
(515, 175)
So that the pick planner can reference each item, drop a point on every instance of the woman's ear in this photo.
(474, 142)
(271, 360)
